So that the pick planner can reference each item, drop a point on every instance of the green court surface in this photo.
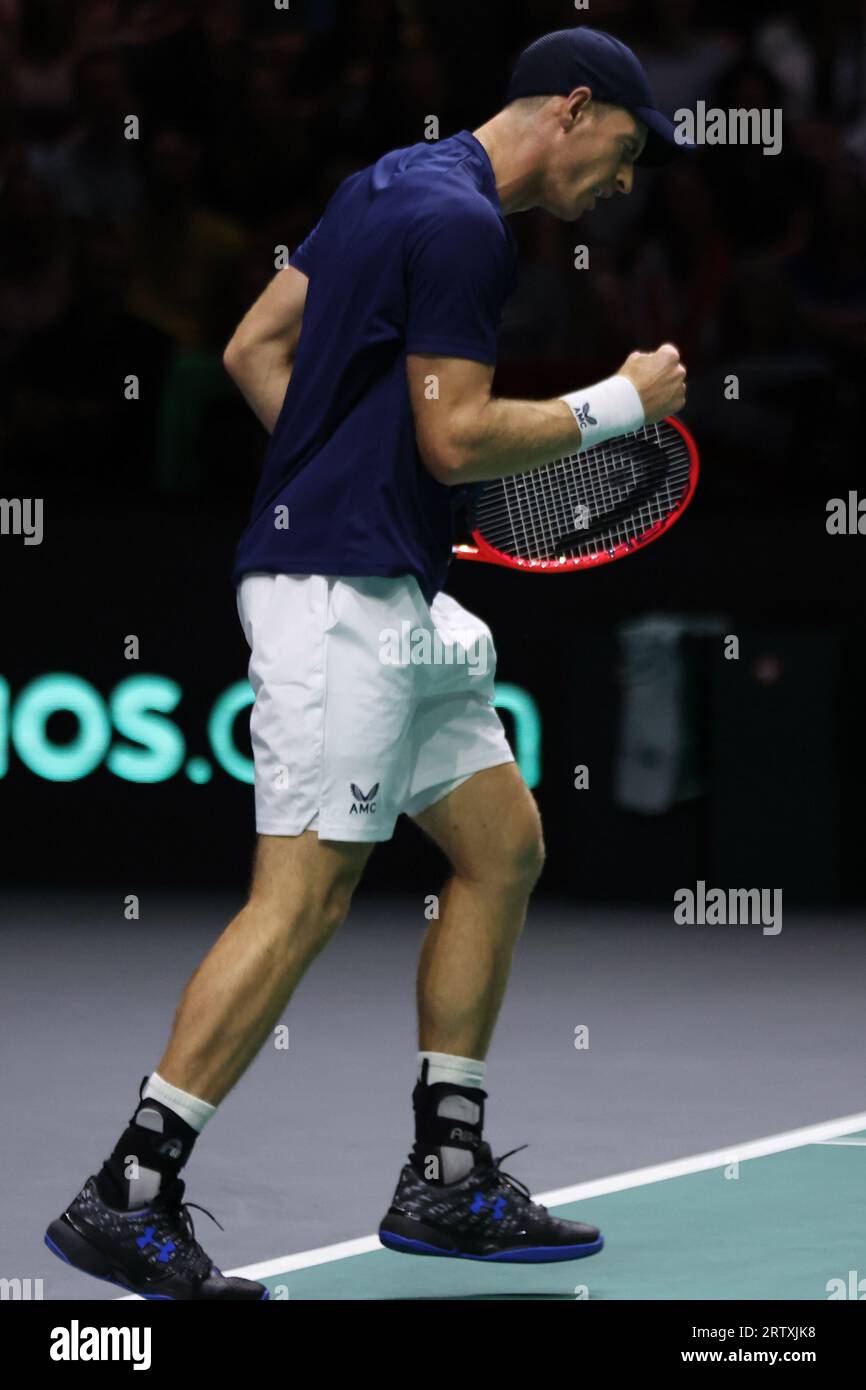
(792, 1221)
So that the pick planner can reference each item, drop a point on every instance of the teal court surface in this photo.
(777, 1218)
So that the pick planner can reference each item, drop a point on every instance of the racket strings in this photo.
(612, 494)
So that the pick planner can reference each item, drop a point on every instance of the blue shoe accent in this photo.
(487, 1215)
(497, 1207)
(155, 1246)
(550, 1254)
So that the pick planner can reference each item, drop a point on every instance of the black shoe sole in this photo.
(409, 1237)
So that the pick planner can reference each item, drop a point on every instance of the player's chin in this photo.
(562, 211)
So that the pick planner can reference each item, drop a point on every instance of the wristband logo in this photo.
(583, 416)
(131, 734)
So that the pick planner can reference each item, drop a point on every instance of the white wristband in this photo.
(603, 411)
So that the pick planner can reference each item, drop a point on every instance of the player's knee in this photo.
(308, 903)
(519, 855)
(335, 901)
(327, 903)
(304, 921)
(529, 857)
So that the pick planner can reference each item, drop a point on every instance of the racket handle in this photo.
(465, 552)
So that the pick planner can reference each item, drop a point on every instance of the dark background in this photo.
(122, 257)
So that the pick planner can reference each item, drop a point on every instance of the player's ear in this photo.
(575, 105)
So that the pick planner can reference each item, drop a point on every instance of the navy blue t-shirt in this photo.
(412, 255)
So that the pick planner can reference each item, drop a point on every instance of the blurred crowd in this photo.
(124, 257)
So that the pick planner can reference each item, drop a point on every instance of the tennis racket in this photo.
(589, 508)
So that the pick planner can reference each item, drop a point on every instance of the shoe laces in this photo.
(514, 1183)
(180, 1223)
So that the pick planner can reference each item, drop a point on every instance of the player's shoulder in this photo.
(452, 205)
(436, 181)
(451, 196)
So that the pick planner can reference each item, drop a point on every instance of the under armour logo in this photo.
(583, 416)
(496, 1209)
(148, 1239)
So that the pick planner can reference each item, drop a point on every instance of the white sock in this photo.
(458, 1071)
(195, 1112)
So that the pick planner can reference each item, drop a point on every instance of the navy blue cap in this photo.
(583, 57)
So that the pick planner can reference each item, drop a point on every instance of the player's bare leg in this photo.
(301, 891)
(490, 830)
(452, 1198)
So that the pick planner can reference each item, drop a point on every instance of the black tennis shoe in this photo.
(151, 1251)
(488, 1215)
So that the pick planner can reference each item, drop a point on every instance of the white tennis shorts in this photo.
(369, 701)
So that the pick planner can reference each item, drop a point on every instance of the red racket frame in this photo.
(486, 553)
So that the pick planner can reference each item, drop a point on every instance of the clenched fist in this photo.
(660, 380)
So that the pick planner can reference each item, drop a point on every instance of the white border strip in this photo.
(716, 1158)
(595, 1187)
(306, 1259)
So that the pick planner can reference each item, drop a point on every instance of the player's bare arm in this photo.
(467, 435)
(260, 354)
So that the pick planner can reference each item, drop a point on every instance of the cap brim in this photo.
(662, 144)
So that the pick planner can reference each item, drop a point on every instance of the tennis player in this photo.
(369, 360)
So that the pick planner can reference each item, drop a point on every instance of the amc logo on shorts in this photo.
(134, 731)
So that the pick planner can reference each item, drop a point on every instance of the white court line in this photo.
(594, 1187)
(717, 1158)
(306, 1259)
